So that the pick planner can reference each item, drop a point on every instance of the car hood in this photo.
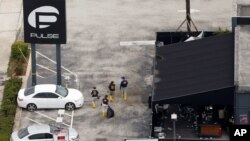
(74, 94)
(14, 136)
(73, 135)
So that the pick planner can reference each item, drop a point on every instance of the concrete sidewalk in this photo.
(10, 15)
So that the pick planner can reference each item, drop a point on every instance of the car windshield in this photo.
(29, 91)
(62, 91)
(22, 133)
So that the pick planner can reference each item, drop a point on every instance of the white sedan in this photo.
(44, 132)
(47, 96)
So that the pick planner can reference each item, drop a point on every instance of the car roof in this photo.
(45, 88)
(39, 128)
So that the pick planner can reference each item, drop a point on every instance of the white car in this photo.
(44, 132)
(47, 96)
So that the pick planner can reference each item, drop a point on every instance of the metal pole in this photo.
(234, 23)
(181, 24)
(188, 15)
(58, 64)
(174, 130)
(33, 62)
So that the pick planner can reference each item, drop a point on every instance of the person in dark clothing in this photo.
(105, 104)
(111, 91)
(94, 93)
(123, 88)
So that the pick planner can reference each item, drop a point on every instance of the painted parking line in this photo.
(32, 120)
(130, 43)
(46, 68)
(72, 119)
(46, 116)
(39, 75)
(73, 73)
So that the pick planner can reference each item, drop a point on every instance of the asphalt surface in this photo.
(93, 53)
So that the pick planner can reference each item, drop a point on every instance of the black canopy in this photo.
(195, 67)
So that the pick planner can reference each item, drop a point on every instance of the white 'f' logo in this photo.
(43, 17)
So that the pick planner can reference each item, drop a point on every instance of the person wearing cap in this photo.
(123, 88)
(111, 91)
(105, 104)
(94, 93)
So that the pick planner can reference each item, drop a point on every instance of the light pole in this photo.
(174, 118)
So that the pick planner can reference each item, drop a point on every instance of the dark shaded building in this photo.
(187, 69)
(197, 73)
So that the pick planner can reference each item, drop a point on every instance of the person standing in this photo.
(105, 104)
(111, 91)
(123, 88)
(95, 97)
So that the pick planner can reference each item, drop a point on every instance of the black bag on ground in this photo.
(110, 112)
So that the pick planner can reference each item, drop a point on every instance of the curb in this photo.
(18, 114)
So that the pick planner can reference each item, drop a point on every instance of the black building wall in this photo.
(242, 107)
(185, 70)
(199, 72)
(175, 37)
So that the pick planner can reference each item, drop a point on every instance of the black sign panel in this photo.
(240, 133)
(44, 21)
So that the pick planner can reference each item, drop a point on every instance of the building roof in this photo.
(194, 67)
(36, 128)
(45, 88)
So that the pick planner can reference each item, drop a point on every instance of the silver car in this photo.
(44, 132)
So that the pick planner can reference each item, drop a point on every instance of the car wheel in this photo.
(70, 106)
(31, 107)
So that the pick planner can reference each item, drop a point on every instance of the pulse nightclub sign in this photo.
(44, 21)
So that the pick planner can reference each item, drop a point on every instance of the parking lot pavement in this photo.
(131, 119)
(93, 53)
